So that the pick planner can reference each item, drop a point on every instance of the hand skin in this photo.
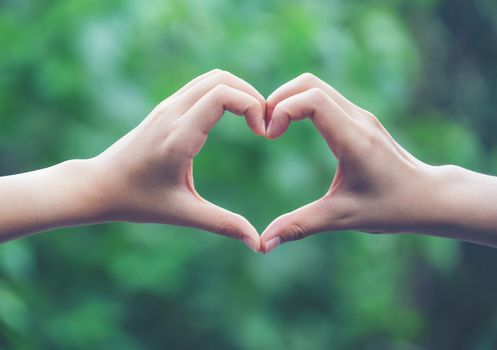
(146, 176)
(378, 186)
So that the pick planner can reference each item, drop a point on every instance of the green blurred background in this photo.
(77, 75)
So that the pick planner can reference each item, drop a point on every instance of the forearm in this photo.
(463, 205)
(58, 196)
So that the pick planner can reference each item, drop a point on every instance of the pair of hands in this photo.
(147, 176)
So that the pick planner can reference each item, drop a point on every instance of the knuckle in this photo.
(368, 140)
(294, 232)
(219, 91)
(308, 78)
(317, 97)
(216, 71)
(161, 110)
(228, 229)
(225, 76)
(163, 105)
(372, 118)
(369, 115)
(282, 110)
(158, 119)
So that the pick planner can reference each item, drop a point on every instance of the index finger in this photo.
(305, 82)
(204, 114)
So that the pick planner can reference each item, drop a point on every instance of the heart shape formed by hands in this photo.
(147, 176)
(154, 182)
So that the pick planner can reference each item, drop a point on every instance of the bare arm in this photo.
(62, 195)
(379, 187)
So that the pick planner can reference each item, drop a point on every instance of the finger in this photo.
(305, 82)
(330, 119)
(197, 91)
(194, 82)
(210, 108)
(204, 215)
(187, 87)
(298, 224)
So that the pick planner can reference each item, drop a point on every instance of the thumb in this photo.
(210, 217)
(312, 218)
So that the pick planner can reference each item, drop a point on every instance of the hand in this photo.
(378, 186)
(147, 175)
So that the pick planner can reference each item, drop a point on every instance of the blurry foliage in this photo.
(76, 75)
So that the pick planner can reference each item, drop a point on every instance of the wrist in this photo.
(444, 181)
(107, 189)
(429, 210)
(87, 194)
(419, 204)
(459, 205)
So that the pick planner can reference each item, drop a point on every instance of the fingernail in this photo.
(269, 129)
(272, 243)
(251, 244)
(263, 127)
